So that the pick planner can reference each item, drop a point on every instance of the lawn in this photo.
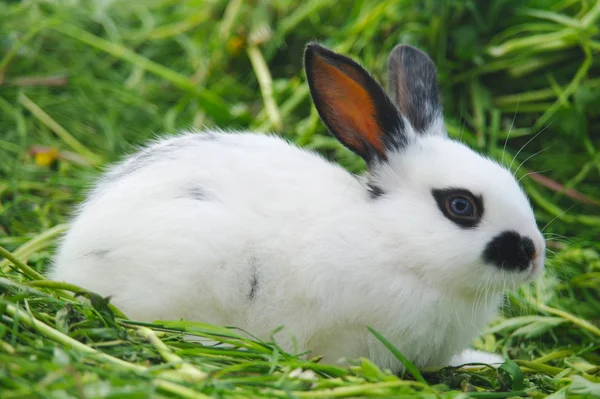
(82, 83)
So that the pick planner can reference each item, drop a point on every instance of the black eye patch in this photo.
(459, 205)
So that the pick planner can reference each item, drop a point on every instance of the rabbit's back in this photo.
(175, 230)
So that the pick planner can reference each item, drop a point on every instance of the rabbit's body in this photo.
(248, 230)
(244, 229)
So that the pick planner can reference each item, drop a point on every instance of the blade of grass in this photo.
(27, 270)
(191, 373)
(570, 317)
(37, 243)
(266, 84)
(57, 336)
(210, 101)
(354, 390)
(60, 131)
(61, 288)
(408, 365)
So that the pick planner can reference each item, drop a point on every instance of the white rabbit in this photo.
(248, 230)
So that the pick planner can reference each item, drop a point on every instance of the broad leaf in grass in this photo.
(538, 328)
(62, 318)
(523, 321)
(581, 386)
(100, 305)
(511, 376)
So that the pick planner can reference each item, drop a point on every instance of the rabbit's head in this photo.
(459, 220)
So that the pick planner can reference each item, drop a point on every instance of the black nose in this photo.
(509, 251)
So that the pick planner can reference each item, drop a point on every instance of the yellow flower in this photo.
(46, 156)
(235, 44)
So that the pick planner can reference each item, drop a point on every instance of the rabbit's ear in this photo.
(413, 86)
(353, 105)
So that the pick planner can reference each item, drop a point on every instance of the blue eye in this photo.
(461, 206)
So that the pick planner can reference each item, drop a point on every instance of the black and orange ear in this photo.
(413, 86)
(352, 104)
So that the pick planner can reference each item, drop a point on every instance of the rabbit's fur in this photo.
(248, 230)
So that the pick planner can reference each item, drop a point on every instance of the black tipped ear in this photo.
(413, 86)
(352, 104)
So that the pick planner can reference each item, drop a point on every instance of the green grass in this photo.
(83, 82)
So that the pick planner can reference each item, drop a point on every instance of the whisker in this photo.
(529, 157)
(526, 144)
(474, 306)
(462, 125)
(510, 128)
(488, 286)
(532, 172)
(503, 299)
(557, 237)
(558, 216)
(491, 295)
(459, 317)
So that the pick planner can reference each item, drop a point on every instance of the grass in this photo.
(83, 82)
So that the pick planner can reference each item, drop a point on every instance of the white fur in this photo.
(328, 260)
(474, 356)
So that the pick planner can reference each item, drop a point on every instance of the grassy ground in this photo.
(83, 82)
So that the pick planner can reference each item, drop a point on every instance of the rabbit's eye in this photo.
(460, 206)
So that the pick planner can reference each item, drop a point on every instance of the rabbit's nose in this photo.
(528, 247)
(510, 251)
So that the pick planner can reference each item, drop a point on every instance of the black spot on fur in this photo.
(509, 251)
(254, 281)
(442, 196)
(98, 253)
(253, 287)
(374, 191)
(198, 193)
